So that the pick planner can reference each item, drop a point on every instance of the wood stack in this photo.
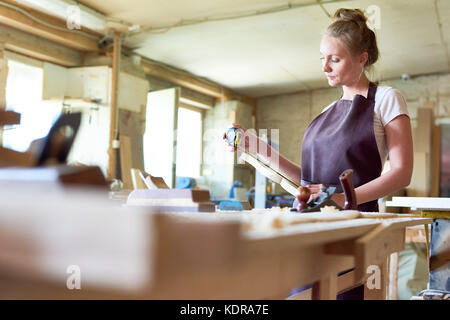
(426, 137)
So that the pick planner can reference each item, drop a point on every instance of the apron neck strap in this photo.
(372, 91)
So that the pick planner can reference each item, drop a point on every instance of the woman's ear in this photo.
(363, 58)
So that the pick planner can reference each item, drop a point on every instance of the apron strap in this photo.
(372, 91)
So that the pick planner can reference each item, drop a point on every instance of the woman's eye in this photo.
(335, 60)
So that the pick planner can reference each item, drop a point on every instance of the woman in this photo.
(360, 130)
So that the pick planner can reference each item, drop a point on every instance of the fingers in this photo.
(316, 190)
(238, 126)
(315, 187)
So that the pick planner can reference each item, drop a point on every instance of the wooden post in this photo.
(325, 288)
(114, 124)
(3, 77)
(393, 276)
(435, 160)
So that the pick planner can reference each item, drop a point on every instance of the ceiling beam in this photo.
(18, 20)
(39, 48)
(192, 82)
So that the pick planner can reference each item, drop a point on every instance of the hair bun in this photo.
(350, 26)
(355, 15)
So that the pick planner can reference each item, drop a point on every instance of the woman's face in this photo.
(339, 65)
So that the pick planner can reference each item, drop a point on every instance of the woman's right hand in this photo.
(234, 125)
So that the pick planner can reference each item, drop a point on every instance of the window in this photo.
(24, 95)
(189, 143)
(167, 124)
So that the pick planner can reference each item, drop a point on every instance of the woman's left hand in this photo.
(316, 190)
(339, 198)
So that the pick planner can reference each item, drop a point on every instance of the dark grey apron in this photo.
(338, 139)
(343, 138)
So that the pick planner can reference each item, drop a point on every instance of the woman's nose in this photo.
(326, 67)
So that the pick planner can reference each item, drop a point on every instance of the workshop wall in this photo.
(292, 113)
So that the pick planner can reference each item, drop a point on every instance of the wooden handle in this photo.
(302, 198)
(346, 179)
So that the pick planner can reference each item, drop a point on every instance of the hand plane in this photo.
(324, 199)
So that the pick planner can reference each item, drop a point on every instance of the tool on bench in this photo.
(324, 198)
(234, 135)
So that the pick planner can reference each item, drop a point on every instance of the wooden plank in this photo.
(64, 36)
(419, 186)
(197, 99)
(420, 182)
(137, 180)
(421, 203)
(38, 48)
(435, 161)
(425, 124)
(126, 161)
(191, 82)
(322, 232)
(12, 158)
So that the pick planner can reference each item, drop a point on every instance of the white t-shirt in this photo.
(389, 103)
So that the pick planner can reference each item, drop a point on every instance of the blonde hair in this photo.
(350, 26)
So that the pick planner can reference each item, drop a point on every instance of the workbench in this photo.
(132, 253)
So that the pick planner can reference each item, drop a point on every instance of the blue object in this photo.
(236, 184)
(184, 183)
(231, 205)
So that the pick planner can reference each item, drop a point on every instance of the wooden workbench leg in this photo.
(374, 290)
(325, 288)
(393, 276)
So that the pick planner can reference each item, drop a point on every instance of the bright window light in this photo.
(159, 135)
(24, 95)
(189, 143)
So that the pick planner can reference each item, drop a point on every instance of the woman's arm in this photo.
(400, 146)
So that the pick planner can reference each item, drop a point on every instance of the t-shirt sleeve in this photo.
(392, 105)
